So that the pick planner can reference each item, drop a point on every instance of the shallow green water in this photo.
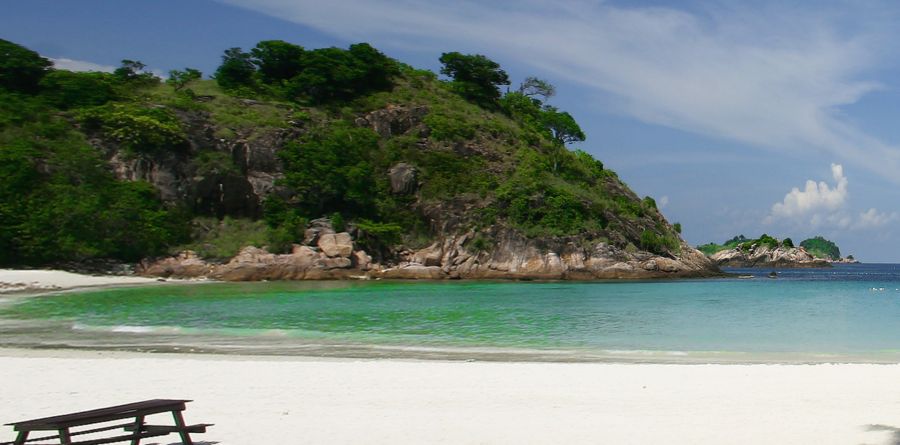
(850, 313)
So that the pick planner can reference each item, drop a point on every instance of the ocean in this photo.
(850, 313)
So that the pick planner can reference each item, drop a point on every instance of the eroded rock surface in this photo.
(767, 256)
(336, 256)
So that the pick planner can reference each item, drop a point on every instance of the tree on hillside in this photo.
(178, 79)
(562, 126)
(522, 108)
(277, 60)
(21, 69)
(236, 70)
(532, 86)
(475, 77)
(376, 69)
(331, 171)
(315, 77)
(334, 74)
(134, 71)
(70, 89)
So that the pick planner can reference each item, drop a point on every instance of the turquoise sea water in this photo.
(849, 313)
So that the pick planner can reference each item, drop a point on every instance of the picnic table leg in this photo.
(64, 437)
(21, 438)
(179, 422)
(138, 426)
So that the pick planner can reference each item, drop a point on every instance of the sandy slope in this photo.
(271, 400)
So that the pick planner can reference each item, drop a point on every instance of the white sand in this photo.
(44, 280)
(271, 400)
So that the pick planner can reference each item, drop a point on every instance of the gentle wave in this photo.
(127, 329)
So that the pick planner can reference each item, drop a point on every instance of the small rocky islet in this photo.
(767, 251)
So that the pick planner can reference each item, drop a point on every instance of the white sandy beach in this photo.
(254, 400)
(14, 280)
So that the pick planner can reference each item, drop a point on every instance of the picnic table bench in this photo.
(136, 428)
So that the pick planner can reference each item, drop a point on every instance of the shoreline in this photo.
(340, 401)
(33, 281)
(163, 339)
(348, 352)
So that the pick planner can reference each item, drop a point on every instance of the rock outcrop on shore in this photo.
(762, 255)
(329, 255)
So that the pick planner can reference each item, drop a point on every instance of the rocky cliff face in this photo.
(211, 175)
(767, 256)
(457, 248)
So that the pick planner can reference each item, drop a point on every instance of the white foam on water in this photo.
(130, 329)
(134, 329)
(644, 352)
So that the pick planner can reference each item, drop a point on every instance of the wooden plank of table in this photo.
(136, 409)
(122, 438)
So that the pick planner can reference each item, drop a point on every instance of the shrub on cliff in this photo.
(138, 128)
(330, 170)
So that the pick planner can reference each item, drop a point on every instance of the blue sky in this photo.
(717, 109)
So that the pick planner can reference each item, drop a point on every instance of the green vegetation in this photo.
(21, 69)
(743, 243)
(712, 248)
(178, 79)
(136, 127)
(279, 69)
(475, 77)
(223, 239)
(482, 159)
(820, 247)
(652, 242)
(58, 199)
(331, 172)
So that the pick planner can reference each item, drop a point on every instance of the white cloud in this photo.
(663, 201)
(769, 76)
(80, 65)
(814, 198)
(821, 205)
(872, 218)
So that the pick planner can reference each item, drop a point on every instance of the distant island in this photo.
(329, 163)
(768, 251)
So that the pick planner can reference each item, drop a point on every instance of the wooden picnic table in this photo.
(137, 428)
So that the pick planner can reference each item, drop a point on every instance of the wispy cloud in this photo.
(663, 201)
(872, 218)
(768, 77)
(80, 65)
